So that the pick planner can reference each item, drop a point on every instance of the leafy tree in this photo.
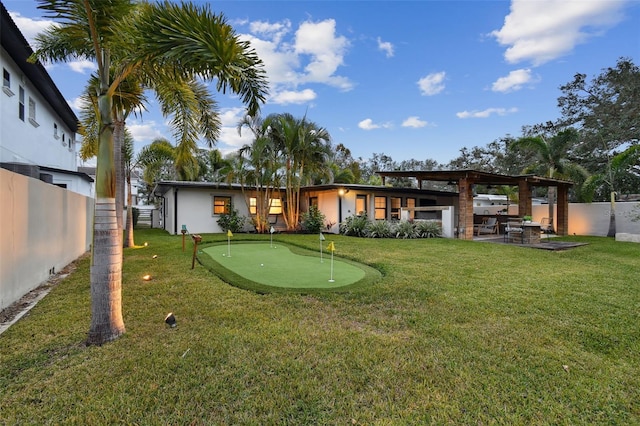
(551, 159)
(606, 111)
(125, 34)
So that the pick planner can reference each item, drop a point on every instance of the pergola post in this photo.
(562, 209)
(524, 198)
(465, 207)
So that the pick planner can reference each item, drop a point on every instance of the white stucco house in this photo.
(37, 126)
(198, 205)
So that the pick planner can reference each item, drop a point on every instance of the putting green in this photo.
(278, 266)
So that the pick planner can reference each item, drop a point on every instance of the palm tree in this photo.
(552, 159)
(195, 42)
(305, 148)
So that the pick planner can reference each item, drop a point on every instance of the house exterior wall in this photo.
(44, 228)
(195, 209)
(28, 141)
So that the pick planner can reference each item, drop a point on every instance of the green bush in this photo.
(355, 226)
(405, 229)
(135, 214)
(232, 221)
(313, 220)
(380, 229)
(428, 229)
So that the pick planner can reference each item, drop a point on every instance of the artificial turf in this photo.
(277, 266)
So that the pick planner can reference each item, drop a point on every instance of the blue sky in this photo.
(411, 79)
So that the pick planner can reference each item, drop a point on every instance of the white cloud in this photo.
(386, 47)
(83, 66)
(145, 131)
(229, 139)
(514, 81)
(543, 30)
(311, 54)
(368, 124)
(432, 84)
(486, 113)
(30, 27)
(414, 121)
(293, 97)
(326, 51)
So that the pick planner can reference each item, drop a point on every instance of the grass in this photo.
(266, 268)
(456, 332)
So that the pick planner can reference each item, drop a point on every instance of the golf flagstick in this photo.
(271, 231)
(321, 240)
(331, 248)
(229, 235)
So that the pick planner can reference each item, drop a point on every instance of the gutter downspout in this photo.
(175, 211)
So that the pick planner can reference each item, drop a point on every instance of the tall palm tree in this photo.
(305, 148)
(196, 42)
(552, 159)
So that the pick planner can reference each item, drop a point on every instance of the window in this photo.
(276, 206)
(395, 208)
(380, 205)
(32, 112)
(411, 203)
(313, 201)
(361, 204)
(21, 103)
(72, 144)
(55, 131)
(64, 142)
(6, 82)
(221, 205)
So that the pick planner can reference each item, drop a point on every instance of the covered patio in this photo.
(466, 179)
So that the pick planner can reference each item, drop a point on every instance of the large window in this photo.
(361, 204)
(32, 112)
(221, 205)
(380, 204)
(411, 203)
(6, 82)
(395, 207)
(21, 103)
(276, 206)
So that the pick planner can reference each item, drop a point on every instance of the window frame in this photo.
(6, 82)
(32, 112)
(21, 95)
(226, 207)
(380, 208)
(253, 206)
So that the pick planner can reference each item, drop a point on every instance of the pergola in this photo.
(466, 179)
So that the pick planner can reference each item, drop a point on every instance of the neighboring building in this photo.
(198, 205)
(37, 126)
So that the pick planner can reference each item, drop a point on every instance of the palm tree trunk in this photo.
(106, 263)
(118, 142)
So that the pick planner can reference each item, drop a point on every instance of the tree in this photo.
(305, 148)
(195, 42)
(551, 159)
(606, 112)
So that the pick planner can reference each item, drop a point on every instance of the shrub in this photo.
(355, 226)
(135, 214)
(428, 229)
(380, 229)
(313, 220)
(405, 229)
(232, 221)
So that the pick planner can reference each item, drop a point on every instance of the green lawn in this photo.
(261, 266)
(455, 332)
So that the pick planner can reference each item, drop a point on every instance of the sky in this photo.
(410, 79)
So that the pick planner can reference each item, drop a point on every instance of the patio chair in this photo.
(489, 225)
(512, 229)
(546, 226)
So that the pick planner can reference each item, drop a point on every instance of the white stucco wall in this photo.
(44, 228)
(22, 141)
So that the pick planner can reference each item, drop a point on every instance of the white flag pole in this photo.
(228, 246)
(271, 231)
(321, 240)
(331, 280)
